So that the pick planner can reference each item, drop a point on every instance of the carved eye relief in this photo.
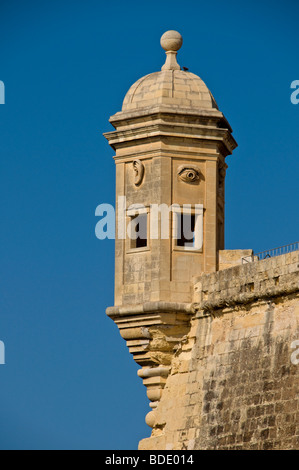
(189, 173)
(138, 168)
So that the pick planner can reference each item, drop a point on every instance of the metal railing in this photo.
(281, 250)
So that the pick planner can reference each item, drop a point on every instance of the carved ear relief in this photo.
(189, 173)
(138, 168)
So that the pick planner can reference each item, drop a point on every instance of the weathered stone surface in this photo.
(233, 384)
(229, 258)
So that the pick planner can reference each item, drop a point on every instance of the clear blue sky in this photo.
(69, 381)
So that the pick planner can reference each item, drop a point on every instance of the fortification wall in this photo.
(234, 382)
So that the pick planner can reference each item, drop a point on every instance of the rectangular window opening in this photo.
(185, 236)
(139, 231)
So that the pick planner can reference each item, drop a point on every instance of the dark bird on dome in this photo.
(185, 69)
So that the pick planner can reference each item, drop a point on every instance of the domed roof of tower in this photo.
(171, 86)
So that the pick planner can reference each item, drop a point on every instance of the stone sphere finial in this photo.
(171, 41)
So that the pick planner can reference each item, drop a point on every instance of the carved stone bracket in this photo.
(153, 332)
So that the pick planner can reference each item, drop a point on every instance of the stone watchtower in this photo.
(170, 143)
